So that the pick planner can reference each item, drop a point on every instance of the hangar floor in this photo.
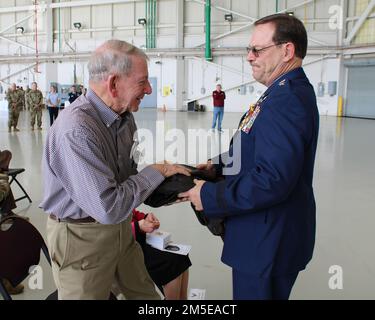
(344, 188)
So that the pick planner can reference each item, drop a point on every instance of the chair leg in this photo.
(46, 254)
(3, 292)
(26, 196)
(161, 289)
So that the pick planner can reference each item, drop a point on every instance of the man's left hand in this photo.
(194, 195)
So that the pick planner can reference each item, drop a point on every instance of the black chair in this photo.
(13, 173)
(20, 246)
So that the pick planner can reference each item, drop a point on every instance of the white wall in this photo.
(165, 72)
(324, 71)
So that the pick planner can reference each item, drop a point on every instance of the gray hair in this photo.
(112, 57)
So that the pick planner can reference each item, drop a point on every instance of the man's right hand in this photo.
(168, 170)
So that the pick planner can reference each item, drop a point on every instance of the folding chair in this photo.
(13, 174)
(20, 246)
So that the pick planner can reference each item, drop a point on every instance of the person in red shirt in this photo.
(218, 96)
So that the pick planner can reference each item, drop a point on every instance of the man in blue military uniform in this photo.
(268, 203)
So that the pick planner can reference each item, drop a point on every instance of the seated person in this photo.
(5, 192)
(167, 270)
(4, 187)
(5, 157)
(8, 203)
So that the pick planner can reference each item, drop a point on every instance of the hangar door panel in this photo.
(361, 92)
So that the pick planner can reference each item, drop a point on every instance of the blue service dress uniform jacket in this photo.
(269, 205)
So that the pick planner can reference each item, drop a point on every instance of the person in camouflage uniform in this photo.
(7, 202)
(4, 187)
(26, 94)
(20, 88)
(5, 157)
(35, 105)
(15, 102)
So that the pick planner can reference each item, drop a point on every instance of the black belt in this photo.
(70, 220)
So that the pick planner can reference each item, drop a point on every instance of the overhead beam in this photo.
(18, 22)
(356, 18)
(13, 25)
(226, 10)
(223, 35)
(253, 20)
(360, 22)
(17, 43)
(66, 4)
(3, 37)
(16, 73)
(296, 6)
(84, 3)
(184, 52)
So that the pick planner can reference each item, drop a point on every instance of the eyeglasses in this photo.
(256, 51)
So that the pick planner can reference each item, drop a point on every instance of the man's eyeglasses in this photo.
(256, 51)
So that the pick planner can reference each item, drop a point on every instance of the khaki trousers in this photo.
(88, 258)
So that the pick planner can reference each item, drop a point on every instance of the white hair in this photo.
(112, 57)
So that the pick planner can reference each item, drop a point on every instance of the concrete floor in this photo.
(344, 187)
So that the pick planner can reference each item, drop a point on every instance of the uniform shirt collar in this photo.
(108, 116)
(293, 74)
